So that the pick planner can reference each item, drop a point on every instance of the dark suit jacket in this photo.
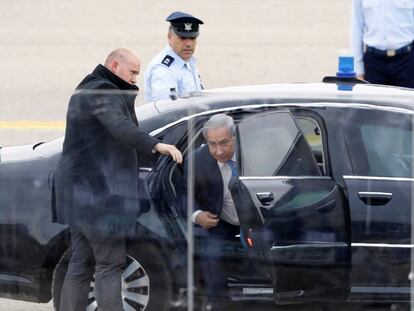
(208, 182)
(96, 179)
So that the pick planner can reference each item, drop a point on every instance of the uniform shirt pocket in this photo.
(404, 4)
(370, 3)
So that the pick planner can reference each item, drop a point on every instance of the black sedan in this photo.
(323, 197)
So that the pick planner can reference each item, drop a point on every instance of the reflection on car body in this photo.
(323, 198)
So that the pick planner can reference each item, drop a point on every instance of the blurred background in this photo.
(48, 46)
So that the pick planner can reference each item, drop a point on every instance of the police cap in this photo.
(184, 25)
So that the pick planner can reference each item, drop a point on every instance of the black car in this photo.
(323, 197)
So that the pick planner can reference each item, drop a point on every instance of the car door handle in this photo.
(375, 198)
(265, 197)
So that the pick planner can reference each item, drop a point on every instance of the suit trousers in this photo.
(397, 70)
(213, 247)
(96, 253)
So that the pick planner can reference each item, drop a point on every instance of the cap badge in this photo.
(188, 26)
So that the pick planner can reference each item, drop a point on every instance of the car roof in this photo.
(388, 97)
(395, 96)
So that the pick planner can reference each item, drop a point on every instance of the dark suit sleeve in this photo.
(205, 188)
(182, 188)
(111, 111)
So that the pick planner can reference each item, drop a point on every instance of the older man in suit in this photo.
(214, 215)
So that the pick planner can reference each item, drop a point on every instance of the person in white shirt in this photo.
(173, 72)
(382, 33)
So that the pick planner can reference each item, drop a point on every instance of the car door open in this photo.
(294, 221)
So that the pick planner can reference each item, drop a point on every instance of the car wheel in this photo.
(146, 281)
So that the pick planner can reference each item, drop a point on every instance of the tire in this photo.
(145, 265)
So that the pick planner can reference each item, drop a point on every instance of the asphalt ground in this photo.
(8, 305)
(48, 46)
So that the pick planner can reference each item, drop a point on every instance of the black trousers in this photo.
(99, 253)
(213, 244)
(397, 70)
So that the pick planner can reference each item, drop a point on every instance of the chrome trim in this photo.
(378, 178)
(340, 244)
(264, 193)
(310, 245)
(370, 290)
(161, 129)
(382, 245)
(324, 104)
(375, 193)
(281, 177)
(145, 169)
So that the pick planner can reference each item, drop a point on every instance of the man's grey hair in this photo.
(218, 121)
(172, 31)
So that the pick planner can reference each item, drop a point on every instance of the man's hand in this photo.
(207, 220)
(170, 150)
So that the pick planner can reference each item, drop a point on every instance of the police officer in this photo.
(382, 41)
(173, 72)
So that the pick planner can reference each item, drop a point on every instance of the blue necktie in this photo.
(233, 167)
(234, 173)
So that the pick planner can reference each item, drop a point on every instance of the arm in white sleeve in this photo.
(194, 215)
(162, 79)
(357, 30)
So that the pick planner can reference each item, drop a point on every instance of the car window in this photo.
(313, 135)
(271, 144)
(380, 143)
(388, 150)
(175, 135)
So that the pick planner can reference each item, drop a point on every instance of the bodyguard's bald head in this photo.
(124, 63)
(119, 54)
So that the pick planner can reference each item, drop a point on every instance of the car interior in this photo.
(309, 127)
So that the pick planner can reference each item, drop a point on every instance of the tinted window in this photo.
(273, 145)
(388, 150)
(175, 135)
(312, 132)
(380, 143)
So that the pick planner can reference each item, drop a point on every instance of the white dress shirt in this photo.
(168, 70)
(382, 24)
(228, 212)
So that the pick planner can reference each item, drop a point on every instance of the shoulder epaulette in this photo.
(168, 60)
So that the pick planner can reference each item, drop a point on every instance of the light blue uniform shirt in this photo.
(168, 70)
(382, 24)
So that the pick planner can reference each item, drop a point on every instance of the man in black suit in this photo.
(214, 213)
(96, 181)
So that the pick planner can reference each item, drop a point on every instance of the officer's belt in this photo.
(390, 53)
